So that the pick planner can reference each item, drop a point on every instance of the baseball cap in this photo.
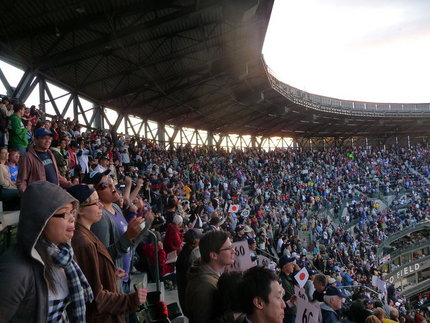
(285, 260)
(331, 280)
(80, 192)
(334, 291)
(94, 177)
(192, 235)
(42, 132)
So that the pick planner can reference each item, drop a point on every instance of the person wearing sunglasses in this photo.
(39, 278)
(97, 264)
(118, 236)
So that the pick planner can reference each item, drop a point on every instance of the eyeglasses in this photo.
(103, 185)
(90, 204)
(66, 215)
(229, 248)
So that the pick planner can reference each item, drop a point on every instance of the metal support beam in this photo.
(23, 85)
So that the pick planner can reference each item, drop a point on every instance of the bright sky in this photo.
(366, 50)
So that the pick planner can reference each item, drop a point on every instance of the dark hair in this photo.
(255, 282)
(18, 107)
(321, 278)
(211, 242)
(228, 291)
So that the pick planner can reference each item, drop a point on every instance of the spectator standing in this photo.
(18, 133)
(39, 163)
(112, 230)
(97, 265)
(39, 276)
(173, 239)
(287, 265)
(59, 158)
(183, 263)
(217, 252)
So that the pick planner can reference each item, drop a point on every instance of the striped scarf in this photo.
(79, 290)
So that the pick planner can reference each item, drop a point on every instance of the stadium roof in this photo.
(191, 63)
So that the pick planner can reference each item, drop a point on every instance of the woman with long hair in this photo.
(39, 279)
(97, 264)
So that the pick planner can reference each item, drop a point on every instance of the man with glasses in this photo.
(39, 163)
(216, 252)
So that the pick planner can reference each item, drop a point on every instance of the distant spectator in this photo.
(173, 239)
(59, 158)
(12, 164)
(9, 191)
(39, 163)
(18, 132)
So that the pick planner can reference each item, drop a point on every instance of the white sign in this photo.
(307, 312)
(242, 260)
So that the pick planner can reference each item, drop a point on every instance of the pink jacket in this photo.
(32, 170)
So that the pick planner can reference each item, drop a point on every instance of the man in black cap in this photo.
(333, 299)
(183, 263)
(39, 163)
(287, 265)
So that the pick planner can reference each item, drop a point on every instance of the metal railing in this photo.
(345, 107)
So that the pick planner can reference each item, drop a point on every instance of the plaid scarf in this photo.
(79, 290)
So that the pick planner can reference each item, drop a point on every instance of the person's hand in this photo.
(141, 294)
(293, 299)
(149, 216)
(139, 182)
(127, 180)
(160, 245)
(133, 228)
(120, 273)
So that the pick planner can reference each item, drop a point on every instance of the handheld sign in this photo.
(307, 312)
(302, 277)
(242, 259)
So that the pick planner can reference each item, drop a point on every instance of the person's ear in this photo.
(213, 255)
(258, 302)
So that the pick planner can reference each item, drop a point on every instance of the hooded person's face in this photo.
(61, 226)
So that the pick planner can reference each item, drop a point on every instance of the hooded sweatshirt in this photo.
(24, 290)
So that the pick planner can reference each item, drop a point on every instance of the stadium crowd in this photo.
(120, 187)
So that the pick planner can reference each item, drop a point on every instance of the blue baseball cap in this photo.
(42, 132)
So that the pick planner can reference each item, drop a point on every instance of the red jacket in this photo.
(173, 239)
(32, 170)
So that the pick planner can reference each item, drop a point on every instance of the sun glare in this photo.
(375, 51)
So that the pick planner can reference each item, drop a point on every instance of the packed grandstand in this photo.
(332, 225)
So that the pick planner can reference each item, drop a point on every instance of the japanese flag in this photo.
(302, 277)
(234, 208)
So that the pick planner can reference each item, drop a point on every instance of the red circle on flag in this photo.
(302, 276)
(234, 208)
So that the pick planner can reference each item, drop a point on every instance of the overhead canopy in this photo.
(190, 63)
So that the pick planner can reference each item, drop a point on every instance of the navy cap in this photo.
(334, 291)
(94, 177)
(191, 235)
(285, 260)
(80, 192)
(42, 132)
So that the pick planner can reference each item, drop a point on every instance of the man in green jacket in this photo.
(287, 265)
(18, 133)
